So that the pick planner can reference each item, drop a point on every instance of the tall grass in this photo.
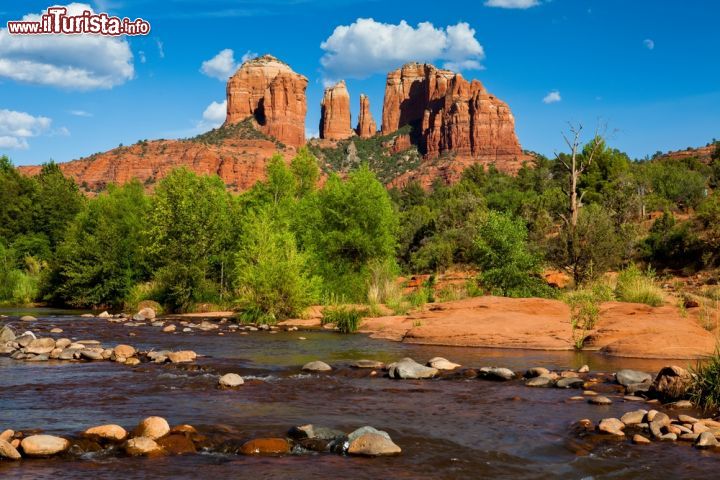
(636, 286)
(584, 314)
(346, 319)
(705, 388)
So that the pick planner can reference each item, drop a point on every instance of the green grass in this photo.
(346, 319)
(705, 389)
(255, 316)
(636, 286)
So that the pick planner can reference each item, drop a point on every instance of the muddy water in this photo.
(447, 428)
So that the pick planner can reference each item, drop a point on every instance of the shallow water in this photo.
(447, 428)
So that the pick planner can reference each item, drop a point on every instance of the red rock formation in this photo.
(366, 127)
(451, 115)
(271, 92)
(704, 154)
(335, 113)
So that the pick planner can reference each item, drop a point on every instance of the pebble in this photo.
(169, 328)
(599, 400)
(316, 366)
(28, 318)
(231, 380)
(56, 330)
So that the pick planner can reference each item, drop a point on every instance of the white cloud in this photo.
(80, 113)
(649, 43)
(213, 116)
(161, 47)
(248, 56)
(221, 66)
(366, 47)
(522, 4)
(552, 97)
(81, 62)
(17, 127)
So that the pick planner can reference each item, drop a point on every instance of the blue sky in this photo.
(648, 69)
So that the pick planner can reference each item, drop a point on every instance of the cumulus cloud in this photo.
(649, 43)
(17, 127)
(223, 65)
(81, 62)
(248, 56)
(366, 47)
(552, 97)
(521, 4)
(213, 116)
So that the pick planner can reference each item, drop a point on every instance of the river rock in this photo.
(638, 439)
(169, 328)
(177, 444)
(8, 451)
(132, 361)
(43, 445)
(113, 433)
(91, 354)
(570, 382)
(230, 380)
(126, 351)
(144, 314)
(37, 358)
(153, 427)
(142, 446)
(536, 372)
(183, 356)
(265, 446)
(407, 368)
(496, 373)
(599, 400)
(367, 364)
(627, 377)
(672, 383)
(7, 347)
(706, 440)
(612, 426)
(62, 343)
(28, 318)
(25, 339)
(7, 334)
(7, 435)
(441, 363)
(687, 419)
(40, 346)
(584, 369)
(633, 418)
(373, 445)
(316, 366)
(659, 420)
(541, 381)
(56, 330)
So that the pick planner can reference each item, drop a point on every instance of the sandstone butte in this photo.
(456, 124)
(335, 113)
(366, 126)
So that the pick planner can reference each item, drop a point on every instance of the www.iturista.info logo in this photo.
(56, 20)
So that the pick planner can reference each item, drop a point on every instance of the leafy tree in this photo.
(350, 224)
(57, 201)
(17, 197)
(102, 256)
(189, 227)
(306, 171)
(271, 276)
(676, 183)
(507, 265)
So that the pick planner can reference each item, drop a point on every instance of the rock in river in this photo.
(153, 427)
(367, 364)
(7, 334)
(8, 451)
(124, 351)
(612, 426)
(265, 446)
(316, 366)
(373, 444)
(408, 368)
(41, 346)
(231, 380)
(442, 364)
(27, 318)
(570, 382)
(629, 377)
(182, 356)
(706, 440)
(113, 433)
(141, 446)
(496, 373)
(542, 381)
(43, 445)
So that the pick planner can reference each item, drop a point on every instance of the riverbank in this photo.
(623, 329)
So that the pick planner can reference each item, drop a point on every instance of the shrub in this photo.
(705, 387)
(635, 286)
(346, 319)
(584, 313)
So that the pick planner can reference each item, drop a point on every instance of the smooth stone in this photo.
(25, 339)
(536, 372)
(8, 451)
(612, 426)
(668, 437)
(40, 346)
(141, 446)
(540, 382)
(316, 366)
(599, 400)
(687, 419)
(56, 330)
(126, 351)
(265, 446)
(63, 343)
(584, 369)
(169, 328)
(88, 342)
(132, 361)
(640, 440)
(689, 437)
(187, 330)
(373, 445)
(177, 444)
(87, 315)
(7, 435)
(91, 354)
(441, 363)
(183, 356)
(37, 358)
(146, 313)
(28, 318)
(407, 368)
(43, 445)
(367, 364)
(633, 398)
(231, 380)
(659, 420)
(633, 418)
(104, 315)
(7, 334)
(111, 432)
(496, 373)
(577, 398)
(153, 427)
(627, 377)
(570, 382)
(590, 393)
(681, 404)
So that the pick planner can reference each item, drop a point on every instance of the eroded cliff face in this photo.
(366, 126)
(450, 115)
(273, 94)
(335, 121)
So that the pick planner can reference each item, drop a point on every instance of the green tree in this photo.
(190, 226)
(508, 267)
(271, 275)
(57, 202)
(306, 171)
(103, 254)
(17, 197)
